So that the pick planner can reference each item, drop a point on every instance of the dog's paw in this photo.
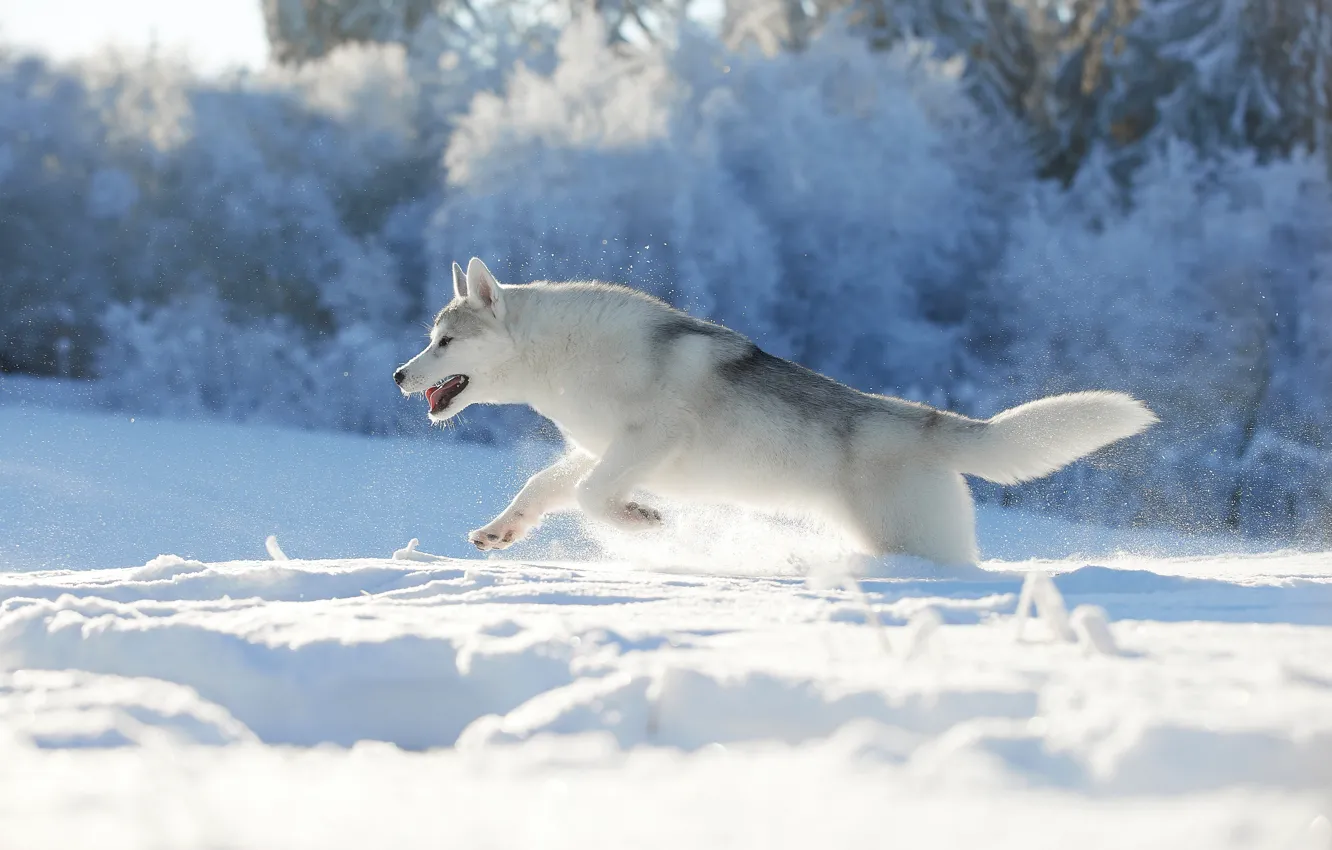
(498, 535)
(641, 516)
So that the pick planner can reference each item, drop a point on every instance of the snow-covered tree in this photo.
(1219, 74)
(52, 229)
(300, 30)
(194, 356)
(988, 39)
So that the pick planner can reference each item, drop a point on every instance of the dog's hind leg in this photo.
(603, 493)
(915, 510)
(551, 489)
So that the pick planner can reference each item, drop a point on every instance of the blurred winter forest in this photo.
(966, 202)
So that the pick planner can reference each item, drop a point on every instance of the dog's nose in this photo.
(399, 376)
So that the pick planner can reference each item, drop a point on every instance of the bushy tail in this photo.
(1034, 439)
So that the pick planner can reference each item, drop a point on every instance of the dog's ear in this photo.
(459, 281)
(483, 290)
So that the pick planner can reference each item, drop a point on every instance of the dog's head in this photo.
(469, 345)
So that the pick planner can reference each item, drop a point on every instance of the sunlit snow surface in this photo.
(713, 687)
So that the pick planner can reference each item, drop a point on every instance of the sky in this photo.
(215, 35)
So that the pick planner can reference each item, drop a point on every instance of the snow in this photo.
(336, 686)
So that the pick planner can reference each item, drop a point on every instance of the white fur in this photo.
(1034, 439)
(661, 417)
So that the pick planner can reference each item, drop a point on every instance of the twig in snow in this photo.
(851, 583)
(920, 629)
(1039, 592)
(841, 573)
(411, 553)
(274, 550)
(1092, 627)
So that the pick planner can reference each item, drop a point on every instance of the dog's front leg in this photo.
(604, 492)
(551, 489)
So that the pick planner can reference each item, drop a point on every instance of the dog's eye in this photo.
(445, 340)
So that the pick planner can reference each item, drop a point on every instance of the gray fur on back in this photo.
(764, 379)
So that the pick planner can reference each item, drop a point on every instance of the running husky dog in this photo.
(648, 397)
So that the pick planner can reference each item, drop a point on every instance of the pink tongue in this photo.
(434, 393)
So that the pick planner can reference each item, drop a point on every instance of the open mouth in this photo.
(445, 391)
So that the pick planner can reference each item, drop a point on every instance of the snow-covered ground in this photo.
(714, 686)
